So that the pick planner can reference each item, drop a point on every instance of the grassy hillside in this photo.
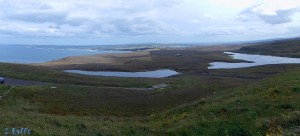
(285, 48)
(90, 95)
(270, 106)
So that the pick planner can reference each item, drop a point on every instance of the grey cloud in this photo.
(295, 30)
(38, 17)
(24, 4)
(33, 16)
(133, 26)
(213, 31)
(278, 17)
(138, 26)
(34, 12)
(30, 11)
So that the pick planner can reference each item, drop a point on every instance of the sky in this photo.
(97, 22)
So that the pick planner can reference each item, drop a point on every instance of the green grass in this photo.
(249, 110)
(91, 100)
(3, 89)
(45, 74)
(269, 106)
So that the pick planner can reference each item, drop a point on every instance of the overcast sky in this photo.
(83, 22)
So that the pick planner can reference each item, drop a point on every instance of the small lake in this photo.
(147, 74)
(31, 54)
(256, 60)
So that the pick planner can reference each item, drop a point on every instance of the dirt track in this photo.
(19, 82)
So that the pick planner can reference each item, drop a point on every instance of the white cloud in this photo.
(268, 14)
(236, 4)
(263, 10)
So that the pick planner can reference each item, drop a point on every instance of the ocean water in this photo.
(33, 54)
(256, 60)
(146, 74)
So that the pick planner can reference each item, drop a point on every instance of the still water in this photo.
(146, 74)
(256, 60)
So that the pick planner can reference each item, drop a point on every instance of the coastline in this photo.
(150, 59)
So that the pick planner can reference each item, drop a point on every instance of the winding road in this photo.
(20, 82)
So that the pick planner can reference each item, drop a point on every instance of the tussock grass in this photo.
(270, 107)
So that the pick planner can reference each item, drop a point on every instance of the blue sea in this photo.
(26, 54)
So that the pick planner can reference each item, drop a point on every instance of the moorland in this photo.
(199, 101)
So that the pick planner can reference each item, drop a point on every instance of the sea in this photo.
(26, 54)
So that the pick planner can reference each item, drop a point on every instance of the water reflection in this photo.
(146, 74)
(257, 60)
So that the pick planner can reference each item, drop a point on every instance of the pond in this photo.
(256, 60)
(146, 74)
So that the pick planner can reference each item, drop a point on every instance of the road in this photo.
(20, 82)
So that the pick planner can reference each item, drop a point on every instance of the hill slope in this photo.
(270, 106)
(285, 48)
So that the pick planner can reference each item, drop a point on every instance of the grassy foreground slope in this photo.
(270, 106)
